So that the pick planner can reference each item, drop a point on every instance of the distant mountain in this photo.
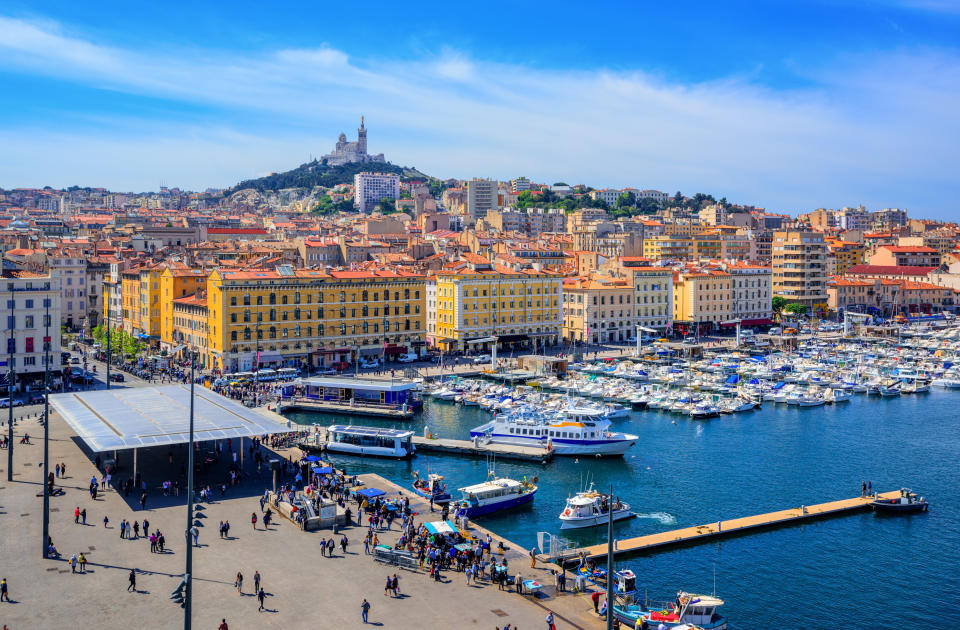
(317, 173)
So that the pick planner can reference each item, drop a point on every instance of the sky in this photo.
(786, 105)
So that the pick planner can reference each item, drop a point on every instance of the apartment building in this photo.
(478, 301)
(26, 296)
(702, 300)
(597, 309)
(799, 267)
(305, 316)
(174, 285)
(906, 256)
(370, 188)
(752, 293)
(653, 292)
(70, 266)
(482, 197)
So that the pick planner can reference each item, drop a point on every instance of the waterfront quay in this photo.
(299, 582)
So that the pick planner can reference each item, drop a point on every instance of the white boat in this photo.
(947, 383)
(590, 508)
(374, 441)
(578, 431)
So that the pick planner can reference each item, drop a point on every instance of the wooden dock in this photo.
(469, 448)
(713, 530)
(348, 409)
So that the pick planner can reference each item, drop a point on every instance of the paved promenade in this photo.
(304, 589)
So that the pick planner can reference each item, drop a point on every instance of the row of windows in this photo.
(28, 321)
(364, 328)
(364, 297)
(365, 311)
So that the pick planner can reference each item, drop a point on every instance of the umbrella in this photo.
(322, 470)
(370, 493)
(441, 527)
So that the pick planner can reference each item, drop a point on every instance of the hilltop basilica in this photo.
(350, 152)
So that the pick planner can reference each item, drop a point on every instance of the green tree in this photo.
(778, 303)
(387, 205)
(795, 308)
(626, 200)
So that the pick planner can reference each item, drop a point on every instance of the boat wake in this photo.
(662, 517)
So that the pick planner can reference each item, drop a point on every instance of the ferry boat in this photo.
(493, 495)
(590, 508)
(687, 610)
(374, 441)
(578, 431)
(433, 487)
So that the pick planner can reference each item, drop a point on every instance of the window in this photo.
(259, 300)
(233, 335)
(28, 321)
(233, 301)
(273, 298)
(246, 333)
(29, 342)
(233, 318)
(246, 315)
(273, 332)
(273, 315)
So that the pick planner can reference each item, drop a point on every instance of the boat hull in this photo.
(593, 520)
(489, 508)
(371, 451)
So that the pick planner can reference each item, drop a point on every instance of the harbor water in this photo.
(856, 571)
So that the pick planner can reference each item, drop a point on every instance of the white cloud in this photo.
(877, 130)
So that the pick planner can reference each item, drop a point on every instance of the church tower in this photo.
(362, 138)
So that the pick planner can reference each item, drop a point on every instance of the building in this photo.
(666, 247)
(702, 300)
(351, 152)
(853, 218)
(482, 197)
(176, 284)
(799, 267)
(370, 188)
(70, 266)
(886, 297)
(293, 317)
(190, 325)
(519, 184)
(842, 255)
(653, 292)
(752, 293)
(888, 219)
(607, 195)
(26, 296)
(319, 252)
(597, 309)
(906, 256)
(478, 301)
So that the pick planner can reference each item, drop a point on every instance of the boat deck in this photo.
(721, 528)
(467, 447)
(356, 409)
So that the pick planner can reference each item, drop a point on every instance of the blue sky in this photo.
(787, 105)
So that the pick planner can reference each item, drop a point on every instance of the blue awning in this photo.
(322, 470)
(733, 380)
(370, 493)
(754, 381)
(441, 527)
(312, 458)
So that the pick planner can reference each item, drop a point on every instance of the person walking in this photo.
(4, 593)
(533, 558)
(132, 586)
(106, 522)
(73, 563)
(261, 595)
(76, 514)
(123, 528)
(256, 581)
(396, 585)
(83, 563)
(595, 598)
(549, 619)
(83, 516)
(364, 608)
(223, 625)
(143, 501)
(239, 582)
(253, 520)
(146, 527)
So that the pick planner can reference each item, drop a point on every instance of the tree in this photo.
(796, 308)
(387, 205)
(626, 200)
(778, 303)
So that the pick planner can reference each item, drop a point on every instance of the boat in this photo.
(908, 501)
(493, 495)
(432, 488)
(590, 508)
(578, 431)
(687, 610)
(374, 441)
(702, 411)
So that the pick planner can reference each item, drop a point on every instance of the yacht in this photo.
(590, 508)
(576, 431)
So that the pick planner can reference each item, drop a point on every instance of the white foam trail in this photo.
(662, 517)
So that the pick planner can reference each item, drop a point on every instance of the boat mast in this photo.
(610, 575)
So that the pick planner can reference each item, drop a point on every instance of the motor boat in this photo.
(432, 488)
(908, 501)
(591, 508)
(495, 494)
(687, 610)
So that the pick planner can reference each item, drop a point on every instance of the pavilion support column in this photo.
(241, 453)
(135, 464)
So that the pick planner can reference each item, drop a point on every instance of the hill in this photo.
(319, 174)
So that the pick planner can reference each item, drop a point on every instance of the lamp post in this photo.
(256, 372)
(46, 425)
(187, 579)
(107, 317)
(610, 575)
(11, 345)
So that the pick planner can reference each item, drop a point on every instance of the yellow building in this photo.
(841, 255)
(668, 247)
(130, 300)
(701, 298)
(478, 301)
(175, 284)
(299, 316)
(598, 309)
(189, 325)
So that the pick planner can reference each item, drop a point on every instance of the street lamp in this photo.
(187, 579)
(11, 346)
(256, 371)
(46, 425)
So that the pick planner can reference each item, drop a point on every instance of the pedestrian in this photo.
(73, 563)
(364, 607)
(253, 520)
(133, 581)
(223, 625)
(146, 527)
(388, 587)
(143, 501)
(550, 624)
(226, 529)
(239, 582)
(396, 585)
(83, 563)
(261, 595)
(595, 598)
(869, 488)
(83, 516)
(256, 581)
(4, 594)
(123, 528)
(533, 558)
(196, 536)
(220, 529)
(76, 514)
(863, 489)
(136, 529)
(106, 522)
(518, 583)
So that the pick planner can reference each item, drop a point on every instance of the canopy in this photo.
(370, 493)
(733, 380)
(138, 417)
(441, 527)
(322, 470)
(312, 458)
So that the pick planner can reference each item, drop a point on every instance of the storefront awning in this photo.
(512, 338)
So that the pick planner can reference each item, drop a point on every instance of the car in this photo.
(36, 399)
(116, 377)
(631, 339)
(326, 370)
(483, 358)
(6, 402)
(407, 358)
(75, 361)
(690, 340)
(368, 364)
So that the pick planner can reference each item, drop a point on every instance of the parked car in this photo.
(75, 361)
(36, 399)
(6, 402)
(483, 358)
(407, 358)
(368, 364)
(326, 370)
(116, 377)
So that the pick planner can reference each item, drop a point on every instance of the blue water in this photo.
(853, 571)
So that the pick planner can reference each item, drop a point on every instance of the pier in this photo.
(717, 529)
(346, 408)
(469, 448)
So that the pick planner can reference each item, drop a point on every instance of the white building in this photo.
(608, 195)
(70, 267)
(350, 152)
(660, 197)
(482, 196)
(853, 218)
(25, 296)
(519, 184)
(752, 293)
(370, 188)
